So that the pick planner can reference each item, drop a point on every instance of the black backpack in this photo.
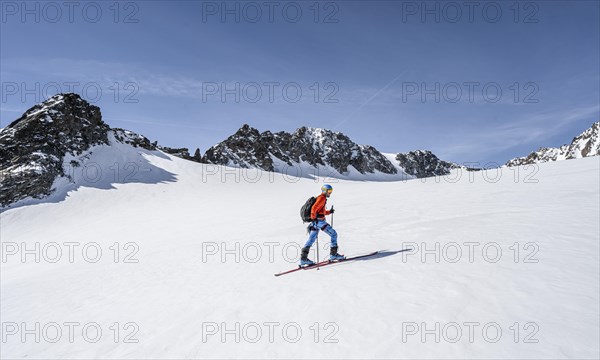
(306, 209)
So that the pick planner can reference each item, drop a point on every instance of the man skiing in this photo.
(317, 215)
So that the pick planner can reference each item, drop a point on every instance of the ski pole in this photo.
(332, 216)
(317, 251)
(318, 240)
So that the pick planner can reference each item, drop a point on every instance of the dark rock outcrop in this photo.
(423, 164)
(248, 148)
(183, 153)
(133, 139)
(32, 147)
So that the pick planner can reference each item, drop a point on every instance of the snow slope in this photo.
(177, 290)
(329, 173)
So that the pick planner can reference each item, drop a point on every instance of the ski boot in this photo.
(304, 260)
(334, 256)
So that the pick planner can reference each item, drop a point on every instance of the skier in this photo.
(317, 215)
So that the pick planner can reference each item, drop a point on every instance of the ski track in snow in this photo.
(366, 306)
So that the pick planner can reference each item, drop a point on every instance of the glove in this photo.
(331, 211)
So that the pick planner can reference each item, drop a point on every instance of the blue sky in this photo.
(378, 67)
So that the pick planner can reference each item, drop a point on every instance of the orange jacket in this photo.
(318, 210)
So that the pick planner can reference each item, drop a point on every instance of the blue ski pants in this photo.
(314, 231)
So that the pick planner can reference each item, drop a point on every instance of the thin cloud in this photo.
(159, 123)
(532, 129)
(376, 94)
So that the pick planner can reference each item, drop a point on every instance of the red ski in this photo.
(325, 263)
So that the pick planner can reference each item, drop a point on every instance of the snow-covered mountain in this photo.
(249, 148)
(423, 163)
(41, 149)
(51, 142)
(309, 151)
(32, 148)
(584, 145)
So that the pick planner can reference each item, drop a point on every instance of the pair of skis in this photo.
(325, 263)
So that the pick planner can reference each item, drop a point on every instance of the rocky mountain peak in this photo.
(586, 144)
(423, 163)
(33, 146)
(65, 116)
(315, 147)
(247, 131)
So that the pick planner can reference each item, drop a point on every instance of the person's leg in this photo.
(334, 245)
(333, 234)
(312, 237)
(311, 240)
